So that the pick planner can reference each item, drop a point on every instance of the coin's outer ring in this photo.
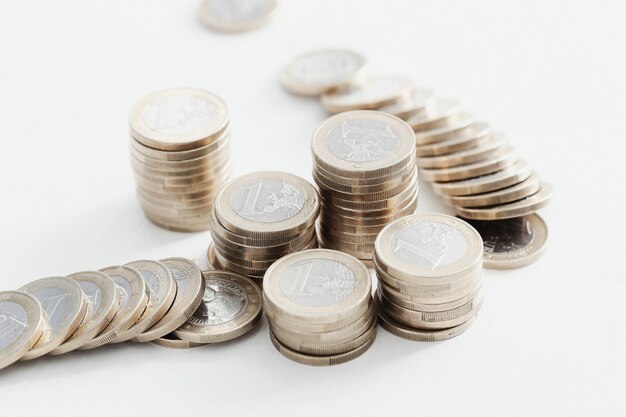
(92, 326)
(459, 173)
(77, 308)
(340, 101)
(393, 266)
(526, 188)
(327, 314)
(230, 220)
(340, 167)
(234, 27)
(35, 325)
(171, 342)
(234, 328)
(464, 123)
(185, 304)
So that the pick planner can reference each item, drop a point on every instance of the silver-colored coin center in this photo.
(223, 301)
(362, 140)
(182, 279)
(182, 114)
(238, 10)
(55, 302)
(93, 293)
(125, 290)
(429, 245)
(154, 283)
(13, 321)
(317, 282)
(324, 67)
(268, 201)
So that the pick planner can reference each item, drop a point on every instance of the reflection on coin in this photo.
(64, 306)
(21, 325)
(236, 15)
(172, 342)
(103, 299)
(375, 92)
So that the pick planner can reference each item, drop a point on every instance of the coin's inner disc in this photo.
(13, 321)
(55, 302)
(268, 201)
(362, 140)
(179, 115)
(223, 301)
(505, 236)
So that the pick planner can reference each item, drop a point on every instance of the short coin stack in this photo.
(429, 269)
(319, 306)
(364, 166)
(180, 156)
(259, 218)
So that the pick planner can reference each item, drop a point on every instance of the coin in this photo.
(22, 324)
(516, 192)
(406, 107)
(479, 134)
(321, 71)
(211, 258)
(64, 305)
(462, 172)
(103, 299)
(493, 146)
(374, 93)
(236, 15)
(464, 123)
(172, 342)
(231, 307)
(189, 293)
(440, 112)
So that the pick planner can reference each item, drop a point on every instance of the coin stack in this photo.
(166, 302)
(259, 218)
(364, 166)
(319, 306)
(180, 156)
(429, 269)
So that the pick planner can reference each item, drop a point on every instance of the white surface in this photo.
(551, 338)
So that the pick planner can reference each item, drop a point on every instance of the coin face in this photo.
(236, 15)
(375, 92)
(21, 325)
(320, 71)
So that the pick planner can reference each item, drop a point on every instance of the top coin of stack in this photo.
(261, 217)
(180, 156)
(364, 166)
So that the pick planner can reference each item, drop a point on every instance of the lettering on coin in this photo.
(179, 115)
(268, 201)
(13, 321)
(362, 141)
(223, 301)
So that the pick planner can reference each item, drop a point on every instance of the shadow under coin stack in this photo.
(429, 269)
(364, 166)
(259, 218)
(180, 156)
(319, 306)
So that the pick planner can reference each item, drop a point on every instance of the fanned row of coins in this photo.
(429, 269)
(319, 306)
(259, 218)
(364, 166)
(168, 302)
(180, 154)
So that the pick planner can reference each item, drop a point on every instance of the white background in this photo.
(551, 338)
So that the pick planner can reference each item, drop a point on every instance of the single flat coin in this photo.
(479, 134)
(519, 208)
(404, 108)
(103, 299)
(236, 15)
(133, 300)
(318, 72)
(512, 243)
(178, 119)
(64, 305)
(22, 323)
(494, 146)
(440, 112)
(463, 172)
(516, 192)
(189, 293)
(508, 177)
(172, 342)
(231, 307)
(267, 204)
(161, 292)
(374, 93)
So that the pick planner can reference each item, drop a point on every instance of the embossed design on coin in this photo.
(362, 140)
(268, 201)
(223, 301)
(12, 322)
(179, 114)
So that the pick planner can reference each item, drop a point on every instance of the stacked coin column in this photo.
(429, 269)
(180, 156)
(259, 218)
(364, 166)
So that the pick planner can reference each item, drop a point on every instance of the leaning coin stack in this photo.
(180, 156)
(259, 218)
(319, 306)
(364, 166)
(429, 269)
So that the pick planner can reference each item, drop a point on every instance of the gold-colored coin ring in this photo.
(480, 134)
(300, 221)
(362, 190)
(526, 188)
(463, 124)
(340, 101)
(58, 332)
(337, 211)
(230, 26)
(519, 208)
(406, 301)
(420, 335)
(405, 107)
(389, 165)
(172, 342)
(321, 360)
(187, 165)
(96, 319)
(189, 292)
(330, 217)
(218, 145)
(508, 177)
(397, 200)
(441, 112)
(493, 146)
(365, 184)
(211, 259)
(158, 140)
(373, 196)
(33, 328)
(473, 170)
(194, 331)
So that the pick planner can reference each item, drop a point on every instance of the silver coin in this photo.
(374, 93)
(236, 15)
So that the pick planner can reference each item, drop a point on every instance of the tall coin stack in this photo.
(364, 166)
(319, 306)
(259, 218)
(429, 269)
(180, 156)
